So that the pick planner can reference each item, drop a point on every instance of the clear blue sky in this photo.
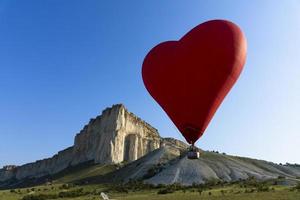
(63, 61)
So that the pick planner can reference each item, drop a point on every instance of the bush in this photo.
(212, 182)
(262, 188)
(165, 191)
(73, 193)
(66, 186)
(120, 188)
(155, 169)
(297, 187)
(134, 185)
(199, 191)
(176, 186)
(249, 190)
(160, 186)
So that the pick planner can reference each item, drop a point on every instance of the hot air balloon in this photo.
(189, 78)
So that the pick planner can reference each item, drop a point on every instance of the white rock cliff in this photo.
(115, 136)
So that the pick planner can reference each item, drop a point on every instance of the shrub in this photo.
(72, 193)
(65, 186)
(155, 169)
(134, 185)
(120, 188)
(212, 182)
(262, 188)
(297, 187)
(249, 190)
(160, 186)
(165, 191)
(176, 186)
(199, 191)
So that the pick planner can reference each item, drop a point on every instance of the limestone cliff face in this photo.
(134, 138)
(115, 136)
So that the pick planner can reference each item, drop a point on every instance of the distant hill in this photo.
(118, 146)
(168, 165)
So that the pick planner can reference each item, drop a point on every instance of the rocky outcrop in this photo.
(113, 137)
(213, 166)
(167, 165)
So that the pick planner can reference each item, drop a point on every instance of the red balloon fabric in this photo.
(190, 78)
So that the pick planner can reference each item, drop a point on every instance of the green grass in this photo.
(81, 172)
(75, 174)
(230, 192)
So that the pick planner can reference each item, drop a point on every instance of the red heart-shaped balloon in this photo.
(190, 78)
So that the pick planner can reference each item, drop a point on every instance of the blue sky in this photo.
(63, 61)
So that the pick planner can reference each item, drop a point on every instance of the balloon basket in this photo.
(193, 153)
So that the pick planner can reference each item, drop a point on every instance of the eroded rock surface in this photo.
(168, 165)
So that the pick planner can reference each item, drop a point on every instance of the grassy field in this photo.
(71, 184)
(92, 192)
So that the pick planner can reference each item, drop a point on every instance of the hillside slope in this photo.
(167, 165)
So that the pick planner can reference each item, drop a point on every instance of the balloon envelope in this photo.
(190, 78)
